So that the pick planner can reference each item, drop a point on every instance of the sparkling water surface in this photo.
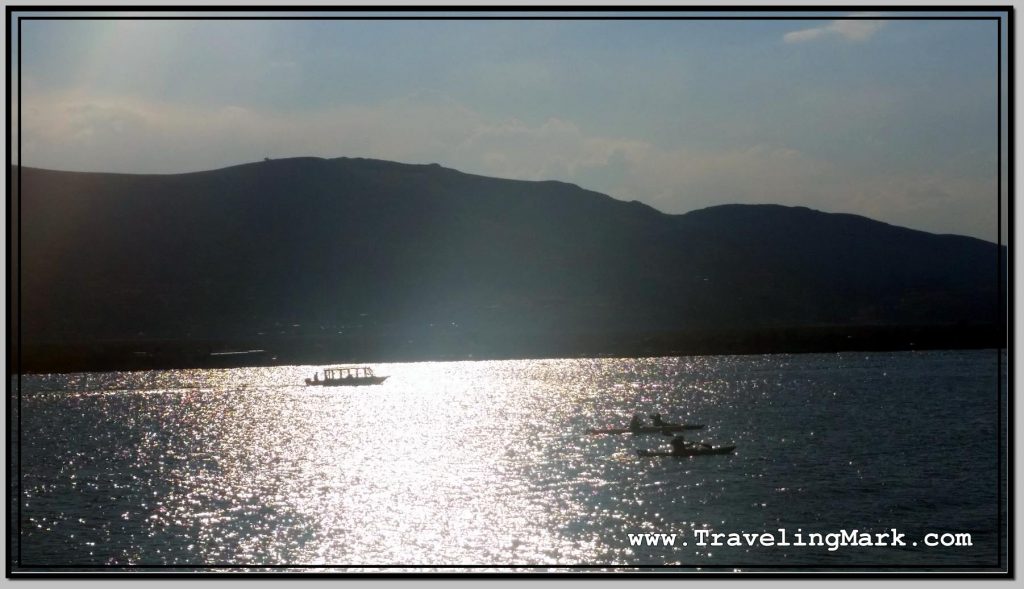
(490, 463)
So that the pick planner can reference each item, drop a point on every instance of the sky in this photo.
(892, 119)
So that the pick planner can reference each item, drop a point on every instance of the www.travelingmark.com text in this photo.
(782, 538)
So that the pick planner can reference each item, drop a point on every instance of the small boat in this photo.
(649, 429)
(691, 450)
(346, 377)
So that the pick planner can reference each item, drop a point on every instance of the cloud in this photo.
(851, 30)
(804, 35)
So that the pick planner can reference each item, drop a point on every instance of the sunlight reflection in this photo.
(446, 463)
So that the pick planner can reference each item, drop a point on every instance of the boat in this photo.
(346, 377)
(649, 429)
(690, 450)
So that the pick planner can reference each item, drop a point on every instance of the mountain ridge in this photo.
(436, 166)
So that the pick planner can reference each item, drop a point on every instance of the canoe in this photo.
(690, 451)
(650, 429)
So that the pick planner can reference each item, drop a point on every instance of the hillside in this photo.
(367, 258)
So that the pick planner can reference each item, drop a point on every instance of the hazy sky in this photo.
(895, 120)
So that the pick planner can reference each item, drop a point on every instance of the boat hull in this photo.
(347, 382)
(651, 429)
(694, 451)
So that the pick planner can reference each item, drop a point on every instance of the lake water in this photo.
(471, 464)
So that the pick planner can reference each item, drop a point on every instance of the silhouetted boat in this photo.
(346, 377)
(691, 450)
(649, 429)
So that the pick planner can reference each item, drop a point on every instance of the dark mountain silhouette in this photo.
(314, 259)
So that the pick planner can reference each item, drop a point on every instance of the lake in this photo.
(489, 464)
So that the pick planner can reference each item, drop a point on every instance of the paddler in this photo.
(635, 423)
(659, 422)
(678, 444)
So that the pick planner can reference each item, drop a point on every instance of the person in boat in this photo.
(316, 377)
(636, 422)
(678, 444)
(659, 422)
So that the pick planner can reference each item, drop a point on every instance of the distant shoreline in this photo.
(110, 356)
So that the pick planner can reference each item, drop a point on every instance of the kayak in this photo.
(701, 450)
(649, 429)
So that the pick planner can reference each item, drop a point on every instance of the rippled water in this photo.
(490, 463)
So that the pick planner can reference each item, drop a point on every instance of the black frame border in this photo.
(1005, 464)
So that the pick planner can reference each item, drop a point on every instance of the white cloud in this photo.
(851, 30)
(804, 35)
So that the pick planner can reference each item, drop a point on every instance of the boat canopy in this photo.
(342, 373)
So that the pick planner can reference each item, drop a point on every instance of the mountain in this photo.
(369, 259)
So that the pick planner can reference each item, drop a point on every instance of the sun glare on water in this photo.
(425, 469)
